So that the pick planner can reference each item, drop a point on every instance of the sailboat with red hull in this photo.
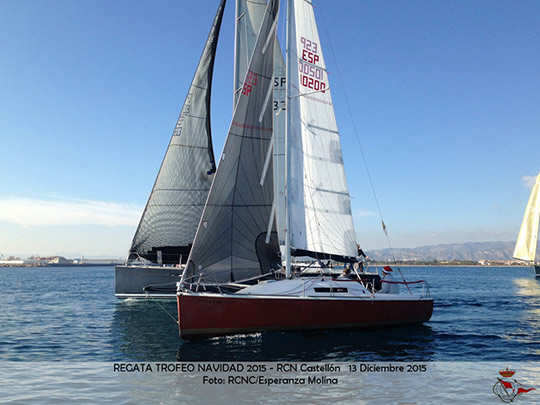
(346, 305)
(253, 215)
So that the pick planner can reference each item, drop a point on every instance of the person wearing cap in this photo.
(346, 273)
(388, 288)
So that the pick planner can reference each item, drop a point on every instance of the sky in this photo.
(442, 97)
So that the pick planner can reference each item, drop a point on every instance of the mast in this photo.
(287, 149)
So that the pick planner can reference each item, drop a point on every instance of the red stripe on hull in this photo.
(202, 316)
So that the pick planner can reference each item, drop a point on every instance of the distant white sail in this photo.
(319, 205)
(249, 16)
(528, 234)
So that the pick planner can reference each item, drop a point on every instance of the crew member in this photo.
(360, 258)
(388, 287)
(346, 273)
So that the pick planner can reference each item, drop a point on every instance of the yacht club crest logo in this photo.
(507, 388)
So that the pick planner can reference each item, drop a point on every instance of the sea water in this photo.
(64, 338)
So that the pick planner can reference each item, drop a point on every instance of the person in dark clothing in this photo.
(360, 258)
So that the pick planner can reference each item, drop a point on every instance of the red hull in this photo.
(206, 316)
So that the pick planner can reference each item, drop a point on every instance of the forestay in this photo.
(319, 205)
(234, 241)
(528, 234)
(169, 221)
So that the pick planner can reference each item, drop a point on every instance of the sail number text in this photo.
(311, 76)
(251, 80)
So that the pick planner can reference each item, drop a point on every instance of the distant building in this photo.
(60, 260)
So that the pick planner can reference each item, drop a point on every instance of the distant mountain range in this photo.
(457, 251)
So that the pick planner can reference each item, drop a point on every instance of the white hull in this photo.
(146, 281)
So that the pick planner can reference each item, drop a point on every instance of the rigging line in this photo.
(167, 312)
(352, 118)
(358, 139)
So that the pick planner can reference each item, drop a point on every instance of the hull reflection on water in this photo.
(415, 343)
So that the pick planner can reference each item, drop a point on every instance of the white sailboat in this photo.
(237, 240)
(527, 241)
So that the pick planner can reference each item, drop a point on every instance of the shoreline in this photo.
(370, 266)
(59, 265)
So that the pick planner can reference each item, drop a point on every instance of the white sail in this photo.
(528, 234)
(249, 16)
(319, 205)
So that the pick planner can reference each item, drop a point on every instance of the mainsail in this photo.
(319, 209)
(528, 234)
(169, 221)
(249, 16)
(236, 238)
